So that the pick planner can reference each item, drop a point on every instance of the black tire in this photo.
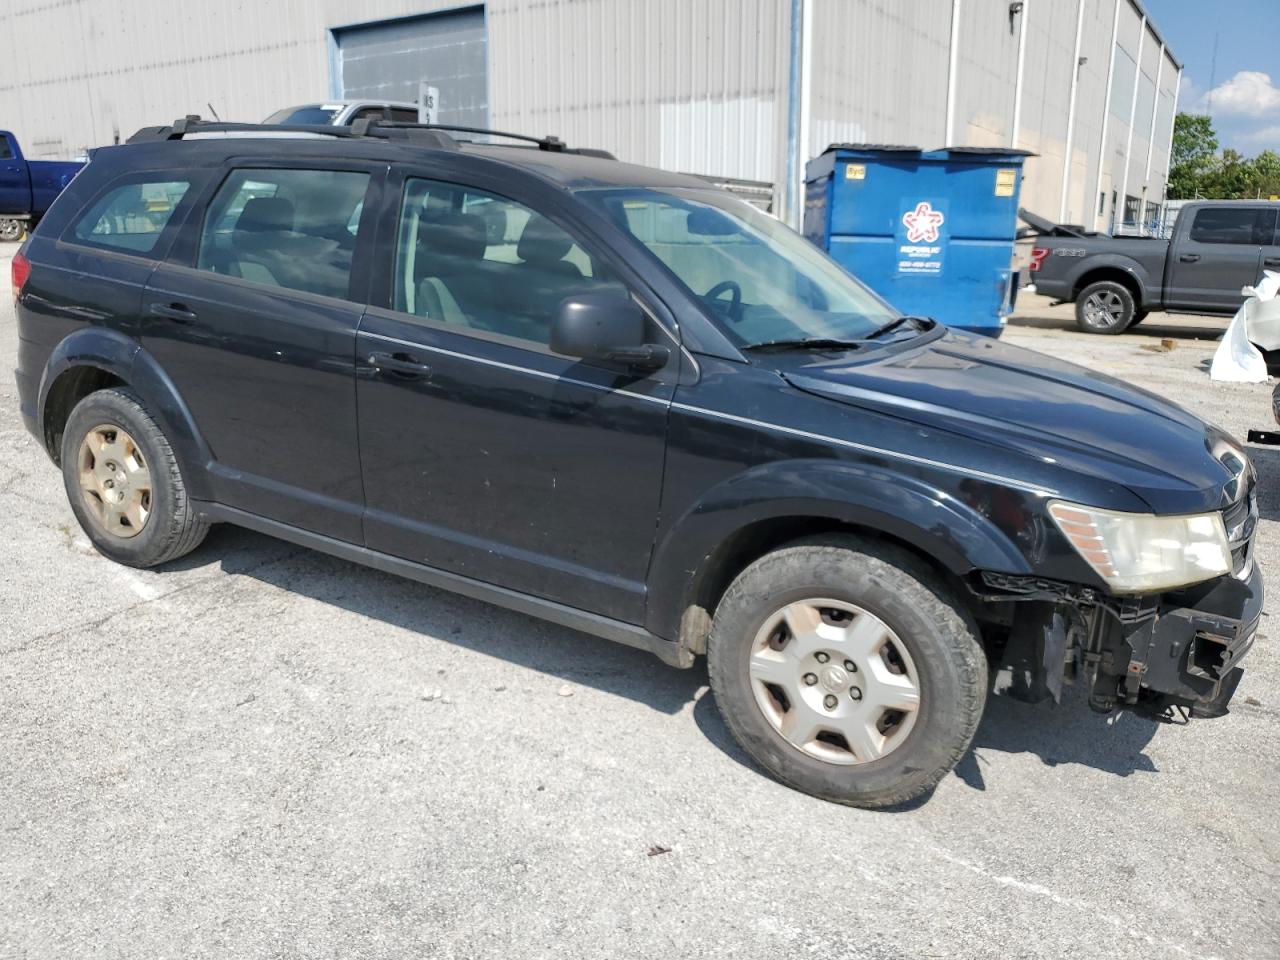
(1105, 307)
(915, 604)
(171, 528)
(1138, 317)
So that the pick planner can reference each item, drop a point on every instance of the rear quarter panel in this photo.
(1073, 261)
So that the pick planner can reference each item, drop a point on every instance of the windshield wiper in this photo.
(806, 343)
(896, 322)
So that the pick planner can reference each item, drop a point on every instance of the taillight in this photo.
(20, 271)
(1037, 257)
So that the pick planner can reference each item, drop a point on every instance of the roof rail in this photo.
(193, 124)
(435, 135)
(372, 126)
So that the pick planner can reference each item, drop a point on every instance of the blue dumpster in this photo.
(930, 231)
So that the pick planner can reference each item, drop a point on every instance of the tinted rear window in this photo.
(285, 228)
(1243, 225)
(132, 216)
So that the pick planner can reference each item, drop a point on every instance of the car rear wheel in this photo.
(124, 484)
(11, 230)
(845, 668)
(1105, 307)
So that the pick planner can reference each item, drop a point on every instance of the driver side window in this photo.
(476, 260)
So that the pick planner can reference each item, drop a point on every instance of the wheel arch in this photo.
(717, 539)
(1123, 274)
(97, 358)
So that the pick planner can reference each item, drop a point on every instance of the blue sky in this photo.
(1246, 83)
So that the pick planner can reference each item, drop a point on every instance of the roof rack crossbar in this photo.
(553, 144)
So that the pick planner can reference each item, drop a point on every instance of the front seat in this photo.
(543, 246)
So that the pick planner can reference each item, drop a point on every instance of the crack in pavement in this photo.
(100, 621)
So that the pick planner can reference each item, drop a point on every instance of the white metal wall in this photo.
(82, 72)
(696, 85)
(692, 85)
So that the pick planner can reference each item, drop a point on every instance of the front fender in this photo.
(115, 353)
(935, 521)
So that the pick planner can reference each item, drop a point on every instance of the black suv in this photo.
(627, 402)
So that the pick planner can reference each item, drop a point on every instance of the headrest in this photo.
(261, 214)
(542, 242)
(453, 235)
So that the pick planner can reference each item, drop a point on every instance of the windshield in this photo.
(313, 113)
(763, 281)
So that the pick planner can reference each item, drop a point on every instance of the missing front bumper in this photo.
(1166, 656)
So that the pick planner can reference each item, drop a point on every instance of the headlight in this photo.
(1137, 552)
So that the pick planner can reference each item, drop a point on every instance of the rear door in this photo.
(1218, 254)
(254, 317)
(15, 187)
(484, 453)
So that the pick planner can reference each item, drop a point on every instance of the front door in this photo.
(483, 452)
(1220, 254)
(257, 329)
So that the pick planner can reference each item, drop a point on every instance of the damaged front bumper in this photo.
(1170, 656)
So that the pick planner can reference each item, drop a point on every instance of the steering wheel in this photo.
(735, 301)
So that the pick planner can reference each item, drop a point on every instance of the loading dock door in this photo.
(387, 61)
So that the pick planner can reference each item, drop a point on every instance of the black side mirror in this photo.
(605, 326)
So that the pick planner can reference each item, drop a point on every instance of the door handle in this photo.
(172, 311)
(405, 364)
(1189, 257)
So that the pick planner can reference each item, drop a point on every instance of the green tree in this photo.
(1195, 146)
(1229, 178)
(1264, 178)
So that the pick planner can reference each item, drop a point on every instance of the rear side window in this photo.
(1242, 225)
(286, 228)
(5, 152)
(132, 216)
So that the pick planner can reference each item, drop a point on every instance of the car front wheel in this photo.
(846, 669)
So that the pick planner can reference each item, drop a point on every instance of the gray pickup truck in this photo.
(1217, 247)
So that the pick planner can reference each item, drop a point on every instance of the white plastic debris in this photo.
(1237, 360)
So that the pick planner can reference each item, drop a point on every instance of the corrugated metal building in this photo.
(745, 89)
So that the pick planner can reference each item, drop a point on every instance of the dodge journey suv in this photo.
(626, 402)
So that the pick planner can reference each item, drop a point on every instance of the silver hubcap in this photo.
(10, 229)
(834, 681)
(115, 483)
(1103, 309)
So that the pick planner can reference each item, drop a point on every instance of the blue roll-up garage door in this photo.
(386, 61)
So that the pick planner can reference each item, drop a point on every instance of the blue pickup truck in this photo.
(27, 187)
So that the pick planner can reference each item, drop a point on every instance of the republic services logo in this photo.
(922, 223)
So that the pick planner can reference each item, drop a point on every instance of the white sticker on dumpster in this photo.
(921, 237)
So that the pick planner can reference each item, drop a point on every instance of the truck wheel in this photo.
(124, 484)
(1138, 317)
(1105, 307)
(11, 230)
(846, 669)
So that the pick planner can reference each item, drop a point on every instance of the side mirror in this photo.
(605, 326)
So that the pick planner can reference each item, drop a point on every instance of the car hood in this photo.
(1033, 404)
